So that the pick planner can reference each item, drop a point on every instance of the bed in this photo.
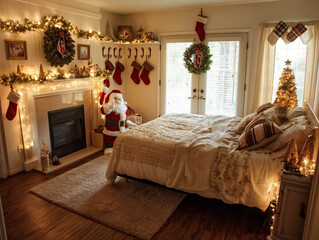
(201, 154)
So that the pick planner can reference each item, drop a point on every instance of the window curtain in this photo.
(265, 69)
(266, 64)
(311, 87)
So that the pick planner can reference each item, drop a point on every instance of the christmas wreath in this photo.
(197, 58)
(59, 47)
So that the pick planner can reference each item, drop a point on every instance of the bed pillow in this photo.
(263, 107)
(259, 119)
(276, 114)
(244, 122)
(259, 136)
(298, 130)
(296, 112)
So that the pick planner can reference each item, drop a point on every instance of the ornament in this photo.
(197, 58)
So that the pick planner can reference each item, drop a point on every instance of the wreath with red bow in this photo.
(59, 47)
(197, 58)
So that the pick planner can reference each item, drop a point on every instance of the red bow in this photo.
(63, 35)
(198, 48)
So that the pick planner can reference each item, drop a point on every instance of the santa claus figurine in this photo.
(116, 121)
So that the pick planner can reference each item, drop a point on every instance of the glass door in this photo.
(218, 92)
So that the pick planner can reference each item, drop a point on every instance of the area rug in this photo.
(132, 207)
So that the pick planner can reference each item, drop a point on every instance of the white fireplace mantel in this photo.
(30, 93)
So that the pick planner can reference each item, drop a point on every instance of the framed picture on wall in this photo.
(83, 52)
(16, 49)
(125, 33)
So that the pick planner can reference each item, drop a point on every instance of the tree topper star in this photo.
(288, 63)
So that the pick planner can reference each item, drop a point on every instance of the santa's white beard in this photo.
(120, 108)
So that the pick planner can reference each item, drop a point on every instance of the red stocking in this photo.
(109, 65)
(200, 22)
(145, 72)
(106, 82)
(117, 74)
(13, 98)
(136, 69)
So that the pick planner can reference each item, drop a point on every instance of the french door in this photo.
(219, 91)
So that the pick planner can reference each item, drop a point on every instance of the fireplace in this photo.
(67, 130)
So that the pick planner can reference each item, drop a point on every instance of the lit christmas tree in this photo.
(286, 93)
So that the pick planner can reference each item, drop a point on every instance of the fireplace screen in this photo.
(67, 130)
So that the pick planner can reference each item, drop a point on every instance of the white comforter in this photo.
(196, 154)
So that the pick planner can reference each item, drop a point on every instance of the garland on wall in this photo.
(19, 78)
(49, 22)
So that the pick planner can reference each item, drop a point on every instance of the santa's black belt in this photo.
(120, 123)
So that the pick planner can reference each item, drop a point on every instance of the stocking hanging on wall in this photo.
(109, 65)
(118, 71)
(200, 22)
(13, 98)
(145, 72)
(136, 69)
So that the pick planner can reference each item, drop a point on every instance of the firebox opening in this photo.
(67, 130)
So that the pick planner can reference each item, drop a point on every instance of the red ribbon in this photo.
(63, 35)
(198, 48)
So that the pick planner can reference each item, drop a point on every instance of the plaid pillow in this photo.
(244, 122)
(259, 119)
(259, 136)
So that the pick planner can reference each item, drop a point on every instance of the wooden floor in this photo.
(29, 217)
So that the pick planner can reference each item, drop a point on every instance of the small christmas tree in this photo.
(286, 93)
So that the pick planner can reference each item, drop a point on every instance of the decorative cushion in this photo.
(244, 122)
(276, 114)
(259, 136)
(296, 112)
(263, 107)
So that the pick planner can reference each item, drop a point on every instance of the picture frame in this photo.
(83, 52)
(124, 33)
(16, 49)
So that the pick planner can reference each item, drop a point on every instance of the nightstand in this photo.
(291, 207)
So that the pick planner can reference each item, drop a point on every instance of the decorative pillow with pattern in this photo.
(276, 114)
(264, 107)
(259, 119)
(244, 122)
(259, 136)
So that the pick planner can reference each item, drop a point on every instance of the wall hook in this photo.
(120, 56)
(142, 55)
(114, 49)
(135, 53)
(108, 53)
(103, 53)
(130, 52)
(150, 52)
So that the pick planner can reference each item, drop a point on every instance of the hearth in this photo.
(67, 130)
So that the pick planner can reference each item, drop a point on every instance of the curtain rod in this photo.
(290, 23)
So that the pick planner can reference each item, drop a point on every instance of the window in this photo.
(296, 52)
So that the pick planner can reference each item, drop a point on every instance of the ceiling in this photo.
(135, 6)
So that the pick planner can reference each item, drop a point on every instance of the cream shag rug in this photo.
(133, 207)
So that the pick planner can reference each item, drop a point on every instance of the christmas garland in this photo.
(59, 47)
(197, 58)
(15, 78)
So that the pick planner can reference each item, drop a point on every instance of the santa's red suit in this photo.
(115, 112)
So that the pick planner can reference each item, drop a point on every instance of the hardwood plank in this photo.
(29, 217)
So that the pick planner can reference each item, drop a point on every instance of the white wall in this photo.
(229, 18)
(87, 19)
